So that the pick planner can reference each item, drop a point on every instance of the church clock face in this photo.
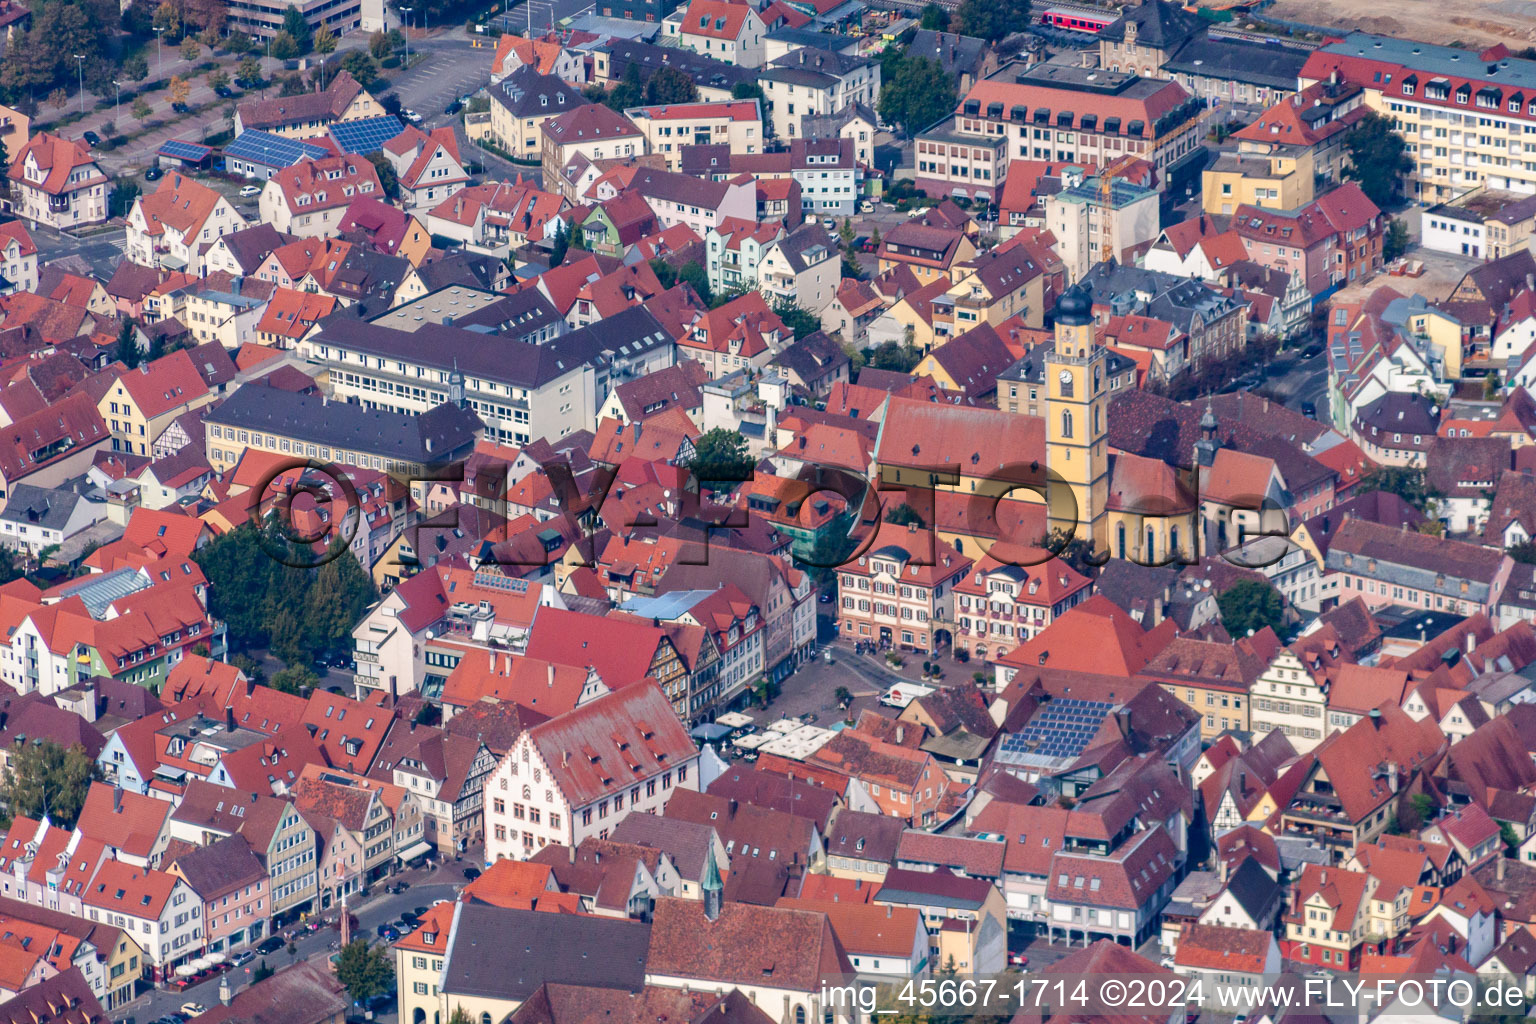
(1066, 376)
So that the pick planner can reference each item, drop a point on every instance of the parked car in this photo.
(250, 190)
(412, 116)
(1309, 410)
(1018, 960)
(867, 206)
(869, 246)
(193, 1009)
(388, 932)
(453, 108)
(242, 958)
(91, 139)
(471, 873)
(396, 889)
(153, 174)
(1313, 350)
(829, 223)
(224, 91)
(270, 945)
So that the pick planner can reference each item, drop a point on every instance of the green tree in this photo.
(1408, 484)
(665, 273)
(262, 972)
(989, 19)
(218, 79)
(45, 778)
(284, 46)
(378, 45)
(361, 67)
(292, 85)
(127, 349)
(389, 181)
(560, 243)
(191, 49)
(1422, 806)
(339, 593)
(365, 969)
(168, 19)
(250, 666)
(295, 25)
(140, 108)
(669, 85)
(695, 275)
(120, 199)
(843, 695)
(238, 43)
(629, 92)
(248, 72)
(136, 68)
(295, 680)
(1525, 551)
(797, 318)
(904, 515)
(459, 1016)
(747, 91)
(58, 99)
(891, 355)
(721, 455)
(1378, 158)
(935, 18)
(1248, 606)
(916, 94)
(1395, 244)
(325, 40)
(874, 235)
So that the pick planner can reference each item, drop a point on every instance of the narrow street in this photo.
(425, 887)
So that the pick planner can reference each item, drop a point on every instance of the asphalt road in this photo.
(97, 255)
(380, 908)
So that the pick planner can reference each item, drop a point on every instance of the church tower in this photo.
(1077, 420)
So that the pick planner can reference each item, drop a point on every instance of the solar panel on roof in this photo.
(366, 136)
(179, 149)
(258, 147)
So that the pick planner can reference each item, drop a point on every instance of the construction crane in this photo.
(1107, 178)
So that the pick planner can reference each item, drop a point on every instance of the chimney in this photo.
(901, 733)
(888, 909)
(549, 673)
(229, 718)
(1392, 776)
(1471, 641)
(117, 799)
(570, 853)
(1498, 868)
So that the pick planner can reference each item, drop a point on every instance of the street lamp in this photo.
(117, 106)
(407, 12)
(80, 66)
(159, 52)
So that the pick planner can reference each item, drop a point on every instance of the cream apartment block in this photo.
(1469, 119)
(1093, 225)
(670, 127)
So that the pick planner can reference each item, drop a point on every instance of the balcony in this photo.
(366, 657)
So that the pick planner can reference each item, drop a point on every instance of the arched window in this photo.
(1173, 540)
(485, 1018)
(1120, 538)
(1151, 544)
(799, 1015)
(1096, 427)
(527, 792)
(1066, 423)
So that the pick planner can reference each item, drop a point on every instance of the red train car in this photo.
(1074, 20)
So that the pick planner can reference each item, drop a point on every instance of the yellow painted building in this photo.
(1273, 182)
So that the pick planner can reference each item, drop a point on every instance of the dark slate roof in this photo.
(250, 246)
(463, 268)
(705, 71)
(1253, 889)
(1257, 63)
(1175, 299)
(812, 357)
(526, 93)
(1159, 23)
(507, 954)
(45, 507)
(428, 437)
(955, 53)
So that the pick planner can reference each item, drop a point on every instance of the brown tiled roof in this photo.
(1219, 948)
(977, 858)
(746, 945)
(309, 106)
(1424, 552)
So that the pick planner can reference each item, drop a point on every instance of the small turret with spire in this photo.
(1205, 448)
(714, 890)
